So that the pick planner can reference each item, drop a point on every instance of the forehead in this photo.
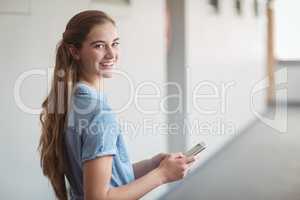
(106, 32)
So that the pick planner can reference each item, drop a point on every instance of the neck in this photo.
(96, 83)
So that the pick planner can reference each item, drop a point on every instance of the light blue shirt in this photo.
(92, 132)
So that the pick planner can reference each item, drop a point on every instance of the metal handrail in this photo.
(292, 63)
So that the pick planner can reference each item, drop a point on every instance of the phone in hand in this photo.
(196, 149)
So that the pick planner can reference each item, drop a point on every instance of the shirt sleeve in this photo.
(100, 136)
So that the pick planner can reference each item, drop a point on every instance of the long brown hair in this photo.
(55, 107)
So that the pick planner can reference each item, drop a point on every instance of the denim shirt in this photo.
(92, 132)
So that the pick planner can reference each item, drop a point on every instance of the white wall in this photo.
(223, 49)
(287, 29)
(293, 74)
(28, 42)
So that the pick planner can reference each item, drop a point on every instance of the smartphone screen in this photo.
(196, 149)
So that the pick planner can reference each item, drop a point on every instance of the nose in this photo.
(109, 53)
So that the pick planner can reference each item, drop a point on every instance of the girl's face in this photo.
(99, 52)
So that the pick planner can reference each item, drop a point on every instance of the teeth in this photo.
(107, 64)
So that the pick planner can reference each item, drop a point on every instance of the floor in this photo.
(261, 164)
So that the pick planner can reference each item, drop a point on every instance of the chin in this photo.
(107, 75)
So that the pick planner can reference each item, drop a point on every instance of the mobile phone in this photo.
(196, 149)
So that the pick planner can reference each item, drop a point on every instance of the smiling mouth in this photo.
(107, 65)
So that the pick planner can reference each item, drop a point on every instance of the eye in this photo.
(115, 44)
(98, 46)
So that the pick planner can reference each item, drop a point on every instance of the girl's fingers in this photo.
(189, 165)
(190, 159)
(177, 155)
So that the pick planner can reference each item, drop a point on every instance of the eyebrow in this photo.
(101, 41)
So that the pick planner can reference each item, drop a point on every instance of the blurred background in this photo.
(221, 71)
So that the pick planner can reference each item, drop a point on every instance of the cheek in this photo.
(89, 59)
(117, 55)
(96, 55)
(93, 53)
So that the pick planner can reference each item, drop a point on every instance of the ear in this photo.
(74, 52)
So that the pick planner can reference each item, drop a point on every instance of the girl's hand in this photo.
(174, 167)
(155, 160)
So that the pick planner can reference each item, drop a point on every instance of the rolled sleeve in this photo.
(100, 137)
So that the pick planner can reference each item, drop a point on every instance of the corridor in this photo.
(259, 164)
